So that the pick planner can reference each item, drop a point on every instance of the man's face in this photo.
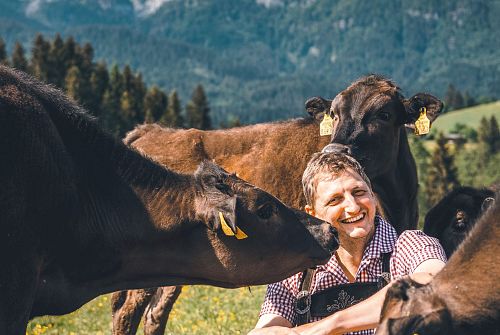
(347, 202)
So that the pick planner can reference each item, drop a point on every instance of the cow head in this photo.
(452, 218)
(251, 229)
(368, 117)
(411, 308)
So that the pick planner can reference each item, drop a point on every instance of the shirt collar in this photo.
(383, 240)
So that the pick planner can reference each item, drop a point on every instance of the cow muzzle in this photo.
(337, 148)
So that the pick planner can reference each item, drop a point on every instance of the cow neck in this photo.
(397, 189)
(152, 190)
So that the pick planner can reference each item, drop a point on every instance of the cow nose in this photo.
(337, 148)
(335, 242)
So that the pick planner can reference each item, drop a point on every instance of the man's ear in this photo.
(309, 210)
(317, 107)
(413, 107)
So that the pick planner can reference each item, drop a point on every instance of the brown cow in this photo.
(464, 298)
(369, 123)
(81, 214)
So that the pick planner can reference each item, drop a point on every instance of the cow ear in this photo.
(414, 105)
(225, 217)
(317, 107)
(217, 204)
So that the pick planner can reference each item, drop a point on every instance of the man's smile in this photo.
(354, 219)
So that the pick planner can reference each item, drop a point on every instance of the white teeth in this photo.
(354, 219)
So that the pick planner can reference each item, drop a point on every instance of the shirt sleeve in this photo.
(280, 301)
(412, 248)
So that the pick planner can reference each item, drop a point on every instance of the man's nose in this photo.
(350, 204)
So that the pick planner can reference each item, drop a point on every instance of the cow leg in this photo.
(156, 316)
(18, 282)
(128, 307)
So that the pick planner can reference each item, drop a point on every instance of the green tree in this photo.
(99, 81)
(18, 59)
(127, 113)
(489, 137)
(40, 58)
(469, 100)
(69, 53)
(442, 173)
(56, 72)
(453, 98)
(73, 83)
(155, 103)
(85, 64)
(422, 160)
(139, 92)
(111, 102)
(197, 110)
(3, 53)
(136, 90)
(172, 116)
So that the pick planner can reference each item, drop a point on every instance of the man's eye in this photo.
(334, 201)
(360, 192)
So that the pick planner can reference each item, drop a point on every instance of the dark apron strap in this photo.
(385, 277)
(303, 303)
(331, 300)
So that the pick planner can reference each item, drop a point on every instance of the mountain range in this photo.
(260, 60)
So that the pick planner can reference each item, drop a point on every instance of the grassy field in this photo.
(200, 310)
(469, 116)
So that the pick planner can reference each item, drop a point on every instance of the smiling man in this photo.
(346, 294)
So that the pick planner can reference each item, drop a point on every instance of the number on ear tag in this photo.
(326, 126)
(423, 124)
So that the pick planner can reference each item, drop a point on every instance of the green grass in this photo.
(470, 116)
(200, 310)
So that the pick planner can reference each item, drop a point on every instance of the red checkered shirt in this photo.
(408, 251)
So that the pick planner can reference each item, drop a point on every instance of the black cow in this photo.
(369, 119)
(463, 299)
(81, 214)
(453, 217)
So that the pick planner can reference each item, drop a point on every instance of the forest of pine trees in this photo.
(119, 98)
(447, 165)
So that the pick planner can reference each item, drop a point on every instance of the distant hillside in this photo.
(261, 59)
(469, 116)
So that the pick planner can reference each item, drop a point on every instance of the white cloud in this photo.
(270, 3)
(34, 5)
(147, 7)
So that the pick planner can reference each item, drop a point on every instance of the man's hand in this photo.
(274, 330)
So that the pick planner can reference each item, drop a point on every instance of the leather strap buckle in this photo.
(303, 304)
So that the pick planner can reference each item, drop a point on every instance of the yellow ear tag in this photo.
(225, 227)
(423, 124)
(326, 126)
(240, 235)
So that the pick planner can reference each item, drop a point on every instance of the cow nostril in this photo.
(337, 148)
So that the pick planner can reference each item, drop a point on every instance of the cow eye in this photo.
(265, 211)
(384, 116)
